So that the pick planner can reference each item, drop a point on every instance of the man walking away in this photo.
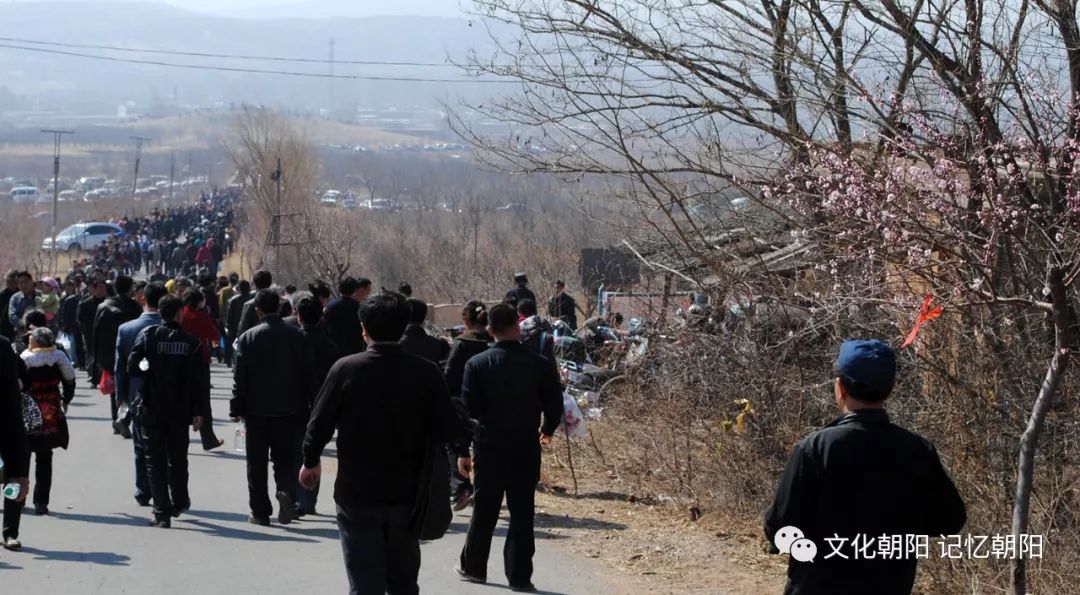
(248, 318)
(14, 449)
(417, 341)
(862, 475)
(272, 384)
(507, 389)
(233, 312)
(69, 321)
(309, 313)
(520, 292)
(110, 315)
(87, 313)
(174, 392)
(562, 306)
(343, 315)
(389, 408)
(127, 387)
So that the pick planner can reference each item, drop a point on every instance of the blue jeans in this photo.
(142, 481)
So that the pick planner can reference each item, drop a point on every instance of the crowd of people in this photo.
(418, 416)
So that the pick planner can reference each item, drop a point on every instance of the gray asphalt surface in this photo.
(96, 539)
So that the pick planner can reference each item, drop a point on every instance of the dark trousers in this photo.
(138, 444)
(277, 440)
(42, 487)
(382, 554)
(167, 466)
(513, 472)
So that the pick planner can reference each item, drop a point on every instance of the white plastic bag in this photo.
(573, 420)
(65, 341)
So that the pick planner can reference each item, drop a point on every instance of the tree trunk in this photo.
(1025, 476)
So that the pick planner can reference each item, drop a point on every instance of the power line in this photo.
(113, 48)
(256, 70)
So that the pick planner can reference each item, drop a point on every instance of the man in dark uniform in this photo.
(417, 341)
(507, 389)
(520, 292)
(234, 310)
(13, 447)
(175, 392)
(389, 408)
(87, 313)
(861, 477)
(272, 392)
(309, 312)
(248, 318)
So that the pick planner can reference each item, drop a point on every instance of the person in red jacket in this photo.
(195, 321)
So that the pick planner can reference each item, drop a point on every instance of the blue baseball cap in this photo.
(868, 368)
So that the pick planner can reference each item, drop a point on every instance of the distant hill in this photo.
(50, 81)
(321, 9)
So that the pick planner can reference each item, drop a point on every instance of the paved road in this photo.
(96, 539)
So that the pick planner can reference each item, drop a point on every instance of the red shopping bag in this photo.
(107, 386)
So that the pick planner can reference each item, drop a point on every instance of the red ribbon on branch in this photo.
(926, 314)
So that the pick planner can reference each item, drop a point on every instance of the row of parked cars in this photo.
(95, 188)
(83, 236)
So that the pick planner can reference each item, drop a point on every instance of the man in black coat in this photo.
(343, 315)
(861, 476)
(175, 392)
(271, 393)
(417, 341)
(112, 313)
(389, 408)
(520, 292)
(507, 390)
(13, 447)
(69, 321)
(308, 316)
(562, 306)
(87, 314)
(262, 280)
(234, 310)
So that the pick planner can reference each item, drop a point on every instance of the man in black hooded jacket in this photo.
(175, 391)
(110, 315)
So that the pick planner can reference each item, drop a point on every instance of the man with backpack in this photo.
(175, 392)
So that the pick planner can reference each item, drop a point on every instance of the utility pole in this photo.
(57, 135)
(138, 157)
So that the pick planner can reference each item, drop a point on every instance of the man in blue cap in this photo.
(856, 480)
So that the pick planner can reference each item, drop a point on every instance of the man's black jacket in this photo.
(273, 371)
(342, 319)
(862, 475)
(324, 353)
(13, 446)
(506, 389)
(518, 294)
(417, 342)
(69, 313)
(110, 315)
(233, 311)
(563, 307)
(87, 312)
(176, 386)
(388, 407)
(466, 346)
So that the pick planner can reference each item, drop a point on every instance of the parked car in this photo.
(25, 194)
(330, 198)
(83, 236)
(349, 203)
(68, 196)
(97, 194)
